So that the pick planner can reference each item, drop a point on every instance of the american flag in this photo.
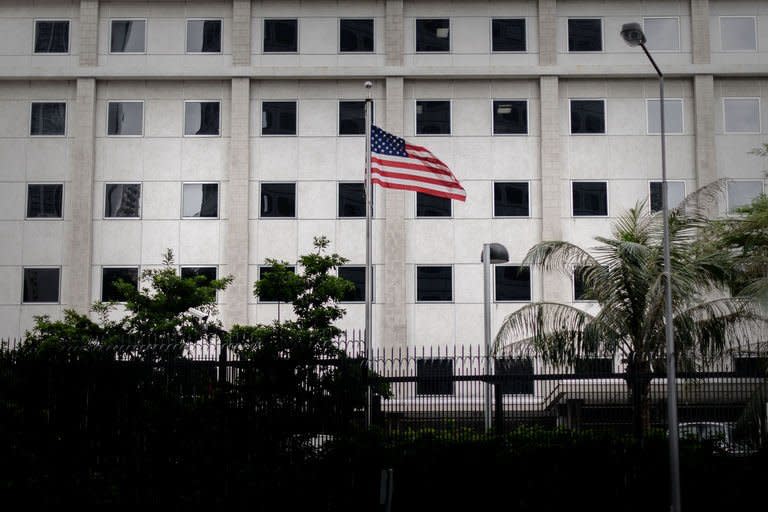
(398, 164)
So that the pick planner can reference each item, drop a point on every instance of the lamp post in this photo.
(633, 35)
(493, 253)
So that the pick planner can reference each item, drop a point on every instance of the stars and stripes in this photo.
(398, 164)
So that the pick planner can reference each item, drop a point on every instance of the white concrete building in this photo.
(222, 129)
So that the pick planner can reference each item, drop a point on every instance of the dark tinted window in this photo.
(433, 118)
(508, 35)
(201, 118)
(433, 35)
(278, 118)
(590, 198)
(356, 35)
(280, 35)
(585, 35)
(517, 375)
(587, 116)
(125, 118)
(204, 36)
(41, 285)
(434, 284)
(579, 290)
(593, 366)
(200, 200)
(51, 36)
(432, 206)
(44, 201)
(351, 200)
(48, 119)
(750, 366)
(352, 117)
(263, 271)
(127, 36)
(278, 199)
(510, 199)
(513, 283)
(434, 377)
(510, 117)
(122, 200)
(676, 190)
(357, 276)
(209, 273)
(110, 276)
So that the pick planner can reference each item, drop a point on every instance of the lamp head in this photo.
(498, 254)
(632, 33)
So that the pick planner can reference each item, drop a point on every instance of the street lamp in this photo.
(493, 254)
(633, 35)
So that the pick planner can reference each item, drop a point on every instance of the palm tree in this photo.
(624, 275)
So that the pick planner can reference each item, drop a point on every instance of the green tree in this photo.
(623, 274)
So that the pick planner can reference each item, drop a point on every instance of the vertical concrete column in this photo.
(704, 99)
(393, 33)
(89, 32)
(235, 309)
(547, 32)
(394, 332)
(76, 282)
(700, 44)
(241, 32)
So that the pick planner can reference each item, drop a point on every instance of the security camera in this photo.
(368, 84)
(198, 314)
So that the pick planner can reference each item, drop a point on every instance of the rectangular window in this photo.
(513, 283)
(278, 200)
(433, 117)
(662, 33)
(201, 117)
(432, 206)
(673, 116)
(278, 118)
(271, 297)
(352, 117)
(433, 35)
(510, 199)
(41, 285)
(742, 115)
(587, 116)
(434, 376)
(357, 276)
(516, 373)
(281, 36)
(351, 199)
(51, 36)
(45, 201)
(128, 36)
(508, 35)
(738, 33)
(125, 118)
(356, 35)
(203, 36)
(585, 35)
(742, 193)
(750, 366)
(207, 274)
(200, 200)
(579, 289)
(675, 189)
(510, 117)
(110, 277)
(48, 119)
(434, 284)
(590, 199)
(122, 200)
(593, 366)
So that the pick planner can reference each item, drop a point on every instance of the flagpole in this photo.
(368, 248)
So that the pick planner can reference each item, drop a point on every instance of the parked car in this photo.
(720, 434)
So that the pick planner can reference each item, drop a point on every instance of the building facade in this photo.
(230, 132)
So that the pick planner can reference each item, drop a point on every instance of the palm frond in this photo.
(558, 255)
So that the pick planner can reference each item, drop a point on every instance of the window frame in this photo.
(759, 115)
(416, 208)
(184, 121)
(109, 36)
(35, 21)
(679, 37)
(416, 283)
(143, 119)
(338, 117)
(373, 280)
(755, 24)
(568, 34)
(338, 199)
(186, 36)
(431, 52)
(515, 381)
(650, 182)
(416, 119)
(527, 118)
(356, 52)
(26, 200)
(666, 130)
(607, 201)
(493, 195)
(40, 267)
(525, 33)
(215, 267)
(264, 34)
(574, 299)
(218, 199)
(728, 209)
(141, 199)
(262, 266)
(421, 363)
(605, 117)
(66, 119)
(101, 281)
(295, 199)
(296, 115)
(496, 288)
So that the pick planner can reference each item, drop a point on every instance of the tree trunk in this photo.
(638, 378)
